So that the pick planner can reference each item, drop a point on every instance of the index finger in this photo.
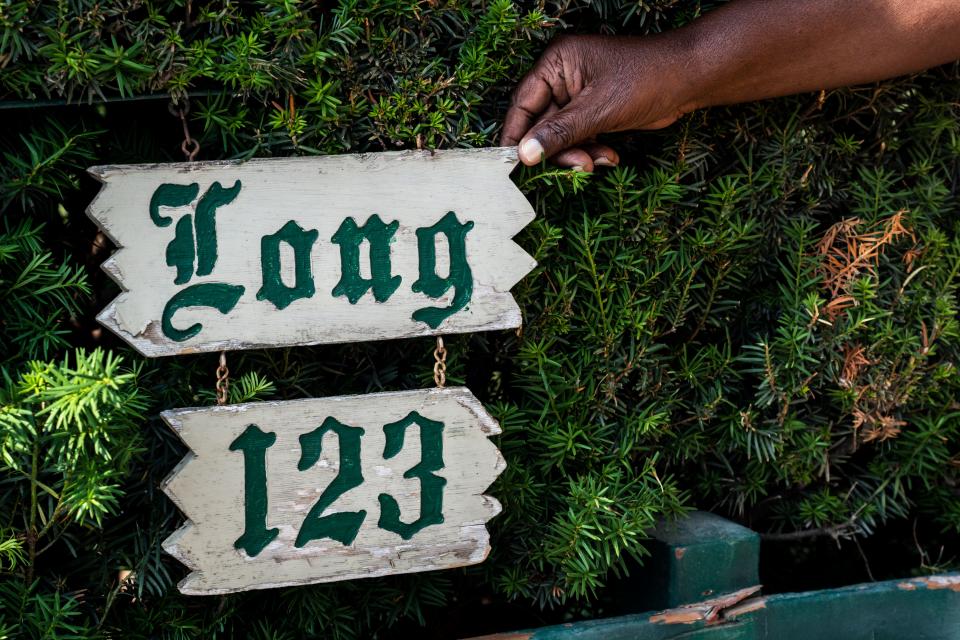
(530, 99)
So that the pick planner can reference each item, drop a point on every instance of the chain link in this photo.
(190, 146)
(440, 364)
(223, 380)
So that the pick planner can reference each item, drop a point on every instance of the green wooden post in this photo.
(699, 557)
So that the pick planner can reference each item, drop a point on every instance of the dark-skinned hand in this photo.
(746, 50)
(583, 86)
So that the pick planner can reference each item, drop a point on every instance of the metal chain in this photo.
(223, 380)
(189, 146)
(440, 364)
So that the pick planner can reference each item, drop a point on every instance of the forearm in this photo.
(755, 49)
(746, 50)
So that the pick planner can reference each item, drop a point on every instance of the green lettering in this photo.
(342, 527)
(460, 276)
(349, 237)
(273, 288)
(222, 297)
(206, 224)
(431, 486)
(254, 444)
(180, 250)
(171, 195)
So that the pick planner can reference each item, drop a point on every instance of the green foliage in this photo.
(38, 292)
(27, 613)
(755, 315)
(68, 435)
(50, 165)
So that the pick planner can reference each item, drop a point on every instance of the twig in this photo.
(834, 531)
(863, 556)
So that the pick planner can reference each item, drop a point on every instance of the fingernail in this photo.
(603, 162)
(531, 151)
(577, 167)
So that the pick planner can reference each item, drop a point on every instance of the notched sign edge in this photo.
(148, 345)
(478, 544)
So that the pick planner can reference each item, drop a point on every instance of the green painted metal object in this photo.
(914, 609)
(709, 556)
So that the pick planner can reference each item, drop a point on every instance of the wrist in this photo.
(694, 72)
(667, 78)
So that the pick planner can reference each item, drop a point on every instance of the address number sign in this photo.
(220, 255)
(286, 493)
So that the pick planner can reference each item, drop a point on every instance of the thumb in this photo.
(575, 123)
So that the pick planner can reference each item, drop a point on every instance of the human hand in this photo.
(745, 50)
(583, 86)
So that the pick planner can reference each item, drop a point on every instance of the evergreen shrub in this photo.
(755, 314)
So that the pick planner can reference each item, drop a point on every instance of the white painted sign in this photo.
(320, 490)
(225, 255)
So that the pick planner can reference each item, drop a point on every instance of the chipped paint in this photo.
(951, 582)
(706, 611)
(748, 606)
(677, 616)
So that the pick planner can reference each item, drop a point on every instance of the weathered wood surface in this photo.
(209, 487)
(415, 189)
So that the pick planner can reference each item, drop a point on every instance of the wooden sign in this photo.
(291, 493)
(226, 255)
